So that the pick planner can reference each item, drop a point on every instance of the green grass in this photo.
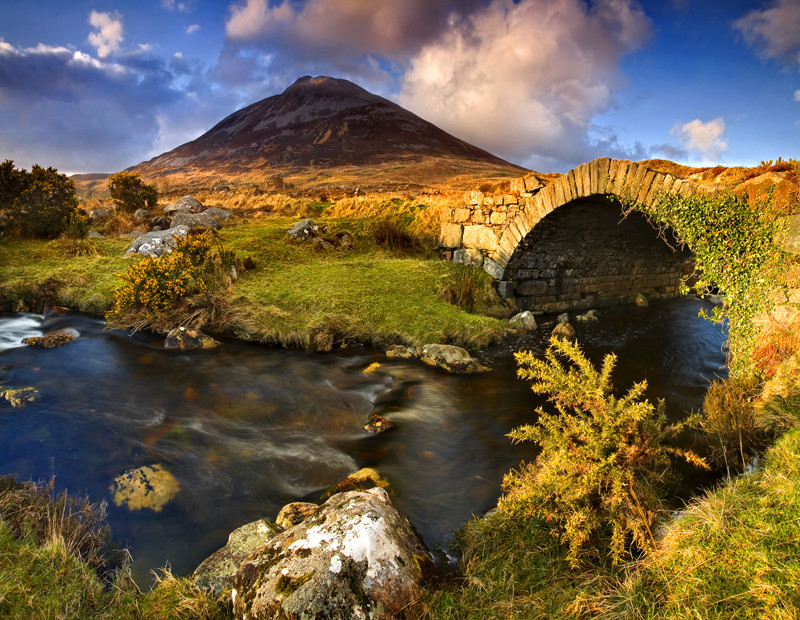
(296, 296)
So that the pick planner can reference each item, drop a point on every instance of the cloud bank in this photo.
(703, 140)
(774, 32)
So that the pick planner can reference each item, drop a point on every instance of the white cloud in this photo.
(797, 96)
(703, 139)
(524, 79)
(180, 6)
(343, 28)
(774, 32)
(109, 35)
(192, 29)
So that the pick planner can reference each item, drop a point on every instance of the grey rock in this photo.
(217, 572)
(159, 223)
(141, 215)
(322, 245)
(221, 214)
(523, 320)
(450, 358)
(303, 230)
(157, 242)
(562, 318)
(101, 213)
(355, 557)
(187, 203)
(400, 351)
(344, 239)
(195, 220)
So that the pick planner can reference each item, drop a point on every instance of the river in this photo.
(247, 428)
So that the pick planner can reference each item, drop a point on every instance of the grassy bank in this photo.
(732, 553)
(292, 294)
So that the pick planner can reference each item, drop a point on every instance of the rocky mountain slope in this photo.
(322, 129)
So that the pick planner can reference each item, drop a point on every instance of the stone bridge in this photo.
(566, 245)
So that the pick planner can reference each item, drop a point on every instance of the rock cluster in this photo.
(354, 556)
(445, 356)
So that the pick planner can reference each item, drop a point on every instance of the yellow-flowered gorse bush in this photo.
(197, 269)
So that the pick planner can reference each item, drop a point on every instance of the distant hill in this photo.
(324, 129)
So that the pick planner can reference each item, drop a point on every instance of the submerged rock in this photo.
(294, 513)
(52, 340)
(641, 300)
(189, 339)
(150, 487)
(400, 351)
(450, 358)
(19, 397)
(217, 572)
(378, 424)
(355, 557)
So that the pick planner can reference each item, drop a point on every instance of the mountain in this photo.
(321, 128)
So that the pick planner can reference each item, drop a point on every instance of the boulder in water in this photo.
(189, 339)
(355, 557)
(216, 573)
(19, 397)
(150, 487)
(365, 478)
(52, 340)
(564, 331)
(524, 321)
(450, 358)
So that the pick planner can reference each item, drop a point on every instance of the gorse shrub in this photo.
(131, 193)
(604, 461)
(40, 203)
(198, 267)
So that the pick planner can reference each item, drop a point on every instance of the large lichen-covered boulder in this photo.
(450, 358)
(356, 557)
(217, 572)
(157, 242)
(523, 321)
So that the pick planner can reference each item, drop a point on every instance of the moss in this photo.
(286, 585)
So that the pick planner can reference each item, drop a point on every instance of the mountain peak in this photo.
(322, 122)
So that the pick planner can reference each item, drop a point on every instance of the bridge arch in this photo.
(498, 232)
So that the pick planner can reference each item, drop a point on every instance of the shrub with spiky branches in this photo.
(604, 461)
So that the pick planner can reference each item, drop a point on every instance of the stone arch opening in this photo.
(586, 254)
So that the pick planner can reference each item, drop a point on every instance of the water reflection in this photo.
(246, 429)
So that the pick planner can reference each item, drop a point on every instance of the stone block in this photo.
(644, 187)
(474, 197)
(531, 287)
(586, 181)
(479, 237)
(450, 235)
(498, 218)
(505, 289)
(493, 268)
(468, 256)
(602, 165)
(461, 215)
(517, 186)
(532, 184)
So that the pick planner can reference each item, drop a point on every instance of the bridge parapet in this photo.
(486, 230)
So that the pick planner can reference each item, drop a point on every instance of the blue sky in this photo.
(100, 85)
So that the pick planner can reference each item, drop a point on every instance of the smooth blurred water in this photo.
(246, 428)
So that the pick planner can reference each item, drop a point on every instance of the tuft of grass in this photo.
(56, 561)
(472, 290)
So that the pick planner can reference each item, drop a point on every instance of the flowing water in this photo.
(246, 428)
